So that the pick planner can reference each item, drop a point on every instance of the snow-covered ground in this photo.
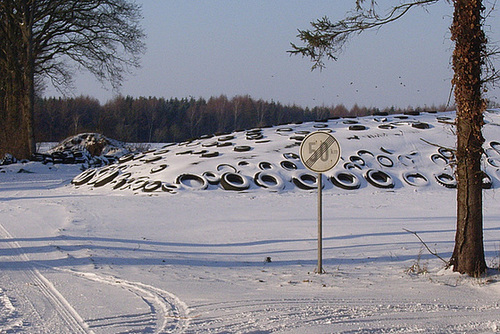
(101, 258)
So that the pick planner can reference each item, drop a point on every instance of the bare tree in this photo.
(473, 69)
(42, 38)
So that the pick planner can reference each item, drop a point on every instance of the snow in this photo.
(93, 259)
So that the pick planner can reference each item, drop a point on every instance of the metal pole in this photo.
(320, 225)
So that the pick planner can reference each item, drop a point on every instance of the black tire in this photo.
(170, 187)
(357, 127)
(365, 152)
(385, 161)
(211, 178)
(494, 162)
(264, 165)
(386, 126)
(357, 160)
(352, 165)
(420, 125)
(269, 180)
(158, 168)
(106, 178)
(226, 168)
(288, 165)
(379, 179)
(242, 148)
(153, 159)
(151, 186)
(212, 154)
(439, 160)
(225, 138)
(234, 182)
(139, 183)
(291, 156)
(415, 179)
(305, 181)
(487, 182)
(192, 181)
(496, 146)
(224, 144)
(83, 177)
(446, 180)
(447, 153)
(345, 180)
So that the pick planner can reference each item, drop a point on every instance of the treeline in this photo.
(172, 120)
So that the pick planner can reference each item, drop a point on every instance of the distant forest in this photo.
(146, 120)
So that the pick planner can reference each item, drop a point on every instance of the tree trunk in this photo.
(468, 255)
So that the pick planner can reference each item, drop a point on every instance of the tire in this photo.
(226, 168)
(152, 159)
(192, 181)
(291, 156)
(106, 178)
(439, 160)
(386, 126)
(345, 180)
(494, 162)
(406, 160)
(212, 154)
(357, 160)
(496, 146)
(269, 180)
(305, 181)
(139, 183)
(357, 127)
(288, 165)
(420, 125)
(264, 165)
(447, 153)
(170, 187)
(225, 138)
(151, 186)
(352, 165)
(83, 177)
(446, 180)
(211, 178)
(242, 148)
(385, 161)
(158, 168)
(415, 179)
(379, 179)
(234, 182)
(487, 182)
(365, 152)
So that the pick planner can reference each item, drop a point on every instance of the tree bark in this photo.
(468, 254)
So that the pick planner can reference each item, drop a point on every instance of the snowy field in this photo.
(189, 256)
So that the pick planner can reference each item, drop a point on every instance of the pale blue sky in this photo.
(206, 48)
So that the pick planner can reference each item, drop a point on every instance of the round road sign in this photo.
(320, 151)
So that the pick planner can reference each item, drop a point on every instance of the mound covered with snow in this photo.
(91, 149)
(387, 152)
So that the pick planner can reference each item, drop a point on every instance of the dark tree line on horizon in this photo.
(155, 119)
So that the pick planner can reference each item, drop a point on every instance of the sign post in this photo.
(320, 152)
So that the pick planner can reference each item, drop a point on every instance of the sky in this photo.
(207, 48)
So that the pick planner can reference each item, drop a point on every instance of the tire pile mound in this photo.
(89, 149)
(378, 152)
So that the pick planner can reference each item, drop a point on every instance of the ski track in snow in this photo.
(168, 314)
(64, 309)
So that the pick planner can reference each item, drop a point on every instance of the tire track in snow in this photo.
(63, 308)
(170, 314)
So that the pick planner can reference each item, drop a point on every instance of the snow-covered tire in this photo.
(192, 181)
(242, 148)
(305, 181)
(345, 180)
(487, 182)
(269, 180)
(211, 178)
(158, 168)
(226, 168)
(439, 160)
(151, 186)
(288, 165)
(415, 179)
(106, 178)
(446, 180)
(84, 177)
(385, 161)
(379, 179)
(234, 181)
(264, 165)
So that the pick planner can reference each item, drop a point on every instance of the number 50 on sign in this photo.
(320, 152)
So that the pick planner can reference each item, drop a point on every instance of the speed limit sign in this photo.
(320, 152)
